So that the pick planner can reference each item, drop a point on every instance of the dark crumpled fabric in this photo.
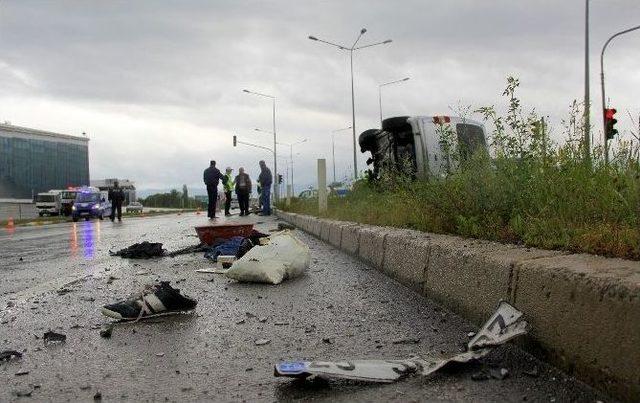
(189, 249)
(142, 250)
(228, 247)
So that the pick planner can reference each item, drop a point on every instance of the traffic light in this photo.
(279, 179)
(610, 122)
(235, 140)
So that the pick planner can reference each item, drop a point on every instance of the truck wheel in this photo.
(101, 217)
(87, 218)
(395, 122)
(41, 214)
(75, 219)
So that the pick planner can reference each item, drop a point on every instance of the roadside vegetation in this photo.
(528, 191)
(173, 199)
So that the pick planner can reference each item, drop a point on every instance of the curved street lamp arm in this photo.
(610, 39)
(373, 44)
(313, 38)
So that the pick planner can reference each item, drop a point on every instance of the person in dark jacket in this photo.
(211, 177)
(116, 197)
(265, 180)
(243, 190)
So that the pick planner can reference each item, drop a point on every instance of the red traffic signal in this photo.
(235, 141)
(610, 122)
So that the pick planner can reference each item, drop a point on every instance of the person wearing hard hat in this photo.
(229, 186)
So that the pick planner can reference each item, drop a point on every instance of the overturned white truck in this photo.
(425, 143)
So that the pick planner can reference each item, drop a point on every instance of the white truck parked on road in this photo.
(49, 203)
(419, 140)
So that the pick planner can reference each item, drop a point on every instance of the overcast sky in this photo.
(157, 85)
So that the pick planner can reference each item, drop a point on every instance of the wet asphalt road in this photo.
(340, 309)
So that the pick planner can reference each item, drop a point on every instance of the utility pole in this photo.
(587, 101)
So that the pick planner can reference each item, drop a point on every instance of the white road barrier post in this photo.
(322, 185)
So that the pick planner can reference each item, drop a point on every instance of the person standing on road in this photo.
(265, 180)
(227, 183)
(116, 197)
(243, 190)
(212, 176)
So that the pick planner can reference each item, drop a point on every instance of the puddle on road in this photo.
(83, 238)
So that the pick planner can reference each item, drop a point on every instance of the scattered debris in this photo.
(499, 373)
(285, 226)
(142, 273)
(154, 300)
(281, 323)
(159, 354)
(63, 291)
(502, 326)
(106, 331)
(20, 373)
(215, 270)
(53, 338)
(284, 257)
(10, 355)
(262, 319)
(262, 342)
(142, 250)
(327, 340)
(23, 392)
(201, 247)
(87, 299)
(229, 247)
(97, 396)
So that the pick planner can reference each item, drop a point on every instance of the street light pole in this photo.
(291, 157)
(587, 101)
(353, 102)
(380, 93)
(333, 149)
(276, 192)
(604, 120)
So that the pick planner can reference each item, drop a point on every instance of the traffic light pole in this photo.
(604, 119)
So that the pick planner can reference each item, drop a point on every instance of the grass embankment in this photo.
(530, 192)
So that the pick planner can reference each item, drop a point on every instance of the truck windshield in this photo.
(88, 197)
(470, 139)
(45, 199)
(69, 195)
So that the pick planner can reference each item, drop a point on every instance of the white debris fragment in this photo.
(502, 326)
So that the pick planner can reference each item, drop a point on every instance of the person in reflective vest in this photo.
(229, 186)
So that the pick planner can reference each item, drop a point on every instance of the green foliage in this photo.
(528, 192)
(173, 199)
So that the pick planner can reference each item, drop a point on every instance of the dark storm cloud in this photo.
(127, 71)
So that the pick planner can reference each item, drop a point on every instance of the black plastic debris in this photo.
(9, 355)
(142, 250)
(54, 338)
(106, 331)
(189, 249)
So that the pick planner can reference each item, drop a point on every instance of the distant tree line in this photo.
(173, 199)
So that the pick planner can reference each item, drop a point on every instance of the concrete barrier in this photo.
(584, 310)
(350, 239)
(585, 317)
(471, 276)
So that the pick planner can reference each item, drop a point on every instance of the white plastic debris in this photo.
(282, 258)
(502, 326)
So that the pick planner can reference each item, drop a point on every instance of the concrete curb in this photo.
(584, 310)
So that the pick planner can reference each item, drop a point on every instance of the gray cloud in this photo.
(157, 84)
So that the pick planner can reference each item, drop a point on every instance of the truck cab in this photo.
(48, 203)
(426, 143)
(67, 198)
